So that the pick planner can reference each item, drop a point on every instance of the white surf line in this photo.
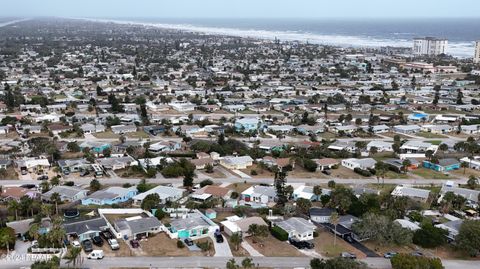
(3, 24)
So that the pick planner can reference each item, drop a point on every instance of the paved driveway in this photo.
(221, 249)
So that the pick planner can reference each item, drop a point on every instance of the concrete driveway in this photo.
(221, 249)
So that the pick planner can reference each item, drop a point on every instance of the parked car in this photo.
(113, 244)
(97, 240)
(76, 244)
(84, 173)
(327, 172)
(106, 234)
(219, 237)
(417, 254)
(348, 255)
(134, 243)
(43, 177)
(87, 245)
(96, 255)
(301, 244)
(389, 255)
(188, 242)
(24, 172)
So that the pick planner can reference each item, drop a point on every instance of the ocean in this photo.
(461, 33)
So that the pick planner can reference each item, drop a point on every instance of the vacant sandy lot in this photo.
(272, 247)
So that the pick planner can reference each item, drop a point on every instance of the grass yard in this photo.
(434, 142)
(138, 134)
(240, 252)
(429, 135)
(393, 175)
(272, 247)
(343, 172)
(129, 172)
(324, 245)
(261, 173)
(392, 135)
(468, 172)
(8, 173)
(384, 249)
(239, 187)
(106, 135)
(221, 216)
(429, 174)
(160, 245)
(326, 135)
(216, 174)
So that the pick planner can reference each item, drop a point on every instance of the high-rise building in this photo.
(429, 46)
(476, 58)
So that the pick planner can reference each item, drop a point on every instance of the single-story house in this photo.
(165, 193)
(123, 129)
(326, 163)
(297, 228)
(259, 196)
(236, 163)
(192, 225)
(85, 229)
(115, 163)
(67, 193)
(236, 224)
(443, 165)
(137, 226)
(364, 164)
(306, 192)
(453, 227)
(320, 215)
(110, 196)
(414, 193)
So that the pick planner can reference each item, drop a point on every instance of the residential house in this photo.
(96, 146)
(138, 226)
(89, 128)
(443, 165)
(306, 192)
(321, 215)
(453, 228)
(16, 193)
(73, 165)
(192, 225)
(397, 164)
(364, 164)
(406, 129)
(414, 193)
(236, 163)
(123, 129)
(115, 163)
(297, 228)
(165, 193)
(470, 195)
(33, 164)
(326, 163)
(247, 124)
(86, 228)
(110, 196)
(259, 196)
(240, 225)
(66, 193)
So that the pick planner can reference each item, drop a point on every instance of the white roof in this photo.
(163, 192)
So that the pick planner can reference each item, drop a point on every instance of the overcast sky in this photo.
(243, 8)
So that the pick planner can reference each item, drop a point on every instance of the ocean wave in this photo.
(457, 49)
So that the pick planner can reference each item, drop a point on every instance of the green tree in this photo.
(304, 205)
(232, 264)
(14, 206)
(472, 182)
(150, 201)
(430, 236)
(337, 263)
(468, 238)
(247, 263)
(7, 238)
(236, 239)
(381, 229)
(405, 261)
(95, 185)
(73, 256)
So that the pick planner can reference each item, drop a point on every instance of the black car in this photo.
(188, 242)
(301, 244)
(84, 173)
(44, 177)
(134, 243)
(106, 235)
(28, 186)
(219, 237)
(87, 245)
(97, 240)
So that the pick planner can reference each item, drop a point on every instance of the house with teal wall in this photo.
(443, 165)
(192, 225)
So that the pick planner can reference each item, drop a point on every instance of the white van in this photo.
(95, 255)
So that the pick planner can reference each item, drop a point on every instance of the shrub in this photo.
(362, 172)
(309, 165)
(180, 244)
(253, 172)
(405, 261)
(279, 233)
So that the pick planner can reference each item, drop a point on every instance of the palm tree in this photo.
(405, 164)
(236, 239)
(73, 256)
(443, 147)
(334, 219)
(13, 205)
(232, 264)
(247, 263)
(33, 230)
(5, 242)
(55, 197)
(45, 210)
(464, 165)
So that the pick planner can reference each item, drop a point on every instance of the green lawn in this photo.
(435, 142)
(107, 134)
(393, 175)
(429, 174)
(138, 134)
(430, 135)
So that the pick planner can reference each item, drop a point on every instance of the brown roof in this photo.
(326, 161)
(243, 224)
(214, 190)
(14, 192)
(282, 162)
(202, 161)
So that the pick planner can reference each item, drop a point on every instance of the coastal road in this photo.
(310, 181)
(219, 262)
